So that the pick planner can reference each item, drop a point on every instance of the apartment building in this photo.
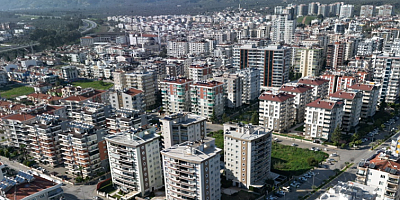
(322, 117)
(16, 128)
(346, 11)
(74, 101)
(145, 81)
(349, 190)
(335, 54)
(43, 137)
(344, 82)
(307, 61)
(283, 28)
(272, 61)
(384, 10)
(370, 98)
(352, 108)
(69, 73)
(206, 98)
(387, 73)
(134, 157)
(131, 99)
(320, 86)
(200, 72)
(177, 48)
(367, 10)
(233, 89)
(192, 170)
(251, 84)
(395, 146)
(381, 172)
(276, 111)
(182, 127)
(199, 47)
(91, 113)
(303, 96)
(119, 80)
(251, 146)
(175, 95)
(332, 80)
(80, 149)
(124, 119)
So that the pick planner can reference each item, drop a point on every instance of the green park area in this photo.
(13, 91)
(294, 161)
(305, 19)
(99, 85)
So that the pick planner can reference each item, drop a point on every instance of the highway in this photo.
(87, 26)
(19, 47)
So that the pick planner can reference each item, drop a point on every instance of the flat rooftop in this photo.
(245, 131)
(183, 119)
(194, 152)
(349, 190)
(133, 138)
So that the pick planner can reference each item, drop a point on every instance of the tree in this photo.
(336, 135)
(312, 161)
(23, 151)
(382, 105)
(81, 170)
(254, 118)
(225, 118)
(213, 117)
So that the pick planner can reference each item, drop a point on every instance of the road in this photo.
(344, 155)
(19, 47)
(87, 26)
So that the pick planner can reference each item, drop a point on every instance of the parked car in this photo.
(317, 149)
(333, 155)
(294, 144)
(312, 148)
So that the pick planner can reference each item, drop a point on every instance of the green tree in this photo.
(254, 118)
(225, 118)
(23, 151)
(213, 117)
(312, 161)
(336, 135)
(382, 105)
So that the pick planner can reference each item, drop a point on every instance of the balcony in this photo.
(391, 189)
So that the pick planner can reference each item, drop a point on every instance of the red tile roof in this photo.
(323, 104)
(343, 95)
(208, 84)
(281, 97)
(27, 189)
(296, 89)
(317, 81)
(363, 87)
(382, 164)
(133, 91)
(178, 81)
(19, 117)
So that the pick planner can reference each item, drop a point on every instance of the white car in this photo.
(333, 154)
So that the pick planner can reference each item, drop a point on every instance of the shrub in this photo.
(312, 161)
(79, 179)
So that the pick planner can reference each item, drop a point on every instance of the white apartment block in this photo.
(175, 95)
(233, 89)
(177, 48)
(123, 119)
(91, 113)
(352, 108)
(251, 84)
(247, 154)
(145, 81)
(192, 170)
(322, 117)
(384, 11)
(387, 73)
(381, 172)
(346, 11)
(367, 11)
(370, 98)
(207, 97)
(69, 72)
(283, 29)
(349, 190)
(131, 99)
(276, 111)
(200, 72)
(199, 47)
(134, 157)
(119, 80)
(182, 127)
(320, 86)
(395, 146)
(272, 61)
(307, 61)
(303, 96)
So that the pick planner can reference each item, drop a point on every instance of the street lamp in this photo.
(313, 180)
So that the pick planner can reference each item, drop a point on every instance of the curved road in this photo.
(87, 26)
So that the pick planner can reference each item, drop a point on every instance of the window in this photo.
(380, 183)
(382, 176)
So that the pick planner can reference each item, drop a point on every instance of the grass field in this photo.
(13, 91)
(292, 161)
(100, 85)
(219, 138)
(307, 21)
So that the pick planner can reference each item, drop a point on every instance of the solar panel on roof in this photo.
(372, 166)
(360, 164)
(393, 171)
(387, 169)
